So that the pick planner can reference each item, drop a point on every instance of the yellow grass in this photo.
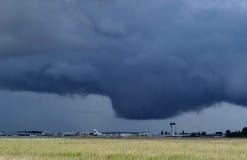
(122, 149)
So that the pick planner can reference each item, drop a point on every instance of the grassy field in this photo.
(122, 149)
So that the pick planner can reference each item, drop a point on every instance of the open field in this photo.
(122, 149)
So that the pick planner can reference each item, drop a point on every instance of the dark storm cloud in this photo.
(154, 59)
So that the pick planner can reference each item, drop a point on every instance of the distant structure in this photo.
(33, 133)
(173, 129)
(29, 133)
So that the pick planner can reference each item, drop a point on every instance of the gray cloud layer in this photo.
(154, 59)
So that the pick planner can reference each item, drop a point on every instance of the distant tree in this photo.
(244, 131)
(204, 133)
(234, 134)
(162, 132)
(228, 133)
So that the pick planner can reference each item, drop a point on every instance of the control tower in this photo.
(173, 129)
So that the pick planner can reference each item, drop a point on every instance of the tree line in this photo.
(242, 133)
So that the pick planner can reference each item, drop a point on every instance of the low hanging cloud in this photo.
(153, 59)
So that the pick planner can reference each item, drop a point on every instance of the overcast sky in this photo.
(123, 65)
